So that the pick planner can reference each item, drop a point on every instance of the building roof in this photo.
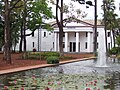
(89, 22)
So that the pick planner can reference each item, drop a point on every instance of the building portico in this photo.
(75, 42)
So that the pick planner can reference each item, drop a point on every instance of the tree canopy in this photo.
(19, 16)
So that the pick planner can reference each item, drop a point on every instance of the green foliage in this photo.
(42, 55)
(36, 14)
(33, 55)
(49, 54)
(118, 40)
(36, 11)
(114, 51)
(52, 59)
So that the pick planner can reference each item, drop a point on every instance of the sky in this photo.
(90, 10)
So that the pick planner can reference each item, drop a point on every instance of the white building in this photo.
(78, 37)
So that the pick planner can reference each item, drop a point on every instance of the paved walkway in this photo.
(40, 66)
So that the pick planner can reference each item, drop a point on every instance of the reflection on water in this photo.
(73, 76)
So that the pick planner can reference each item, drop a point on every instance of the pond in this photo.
(82, 75)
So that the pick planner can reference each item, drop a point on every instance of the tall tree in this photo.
(1, 33)
(71, 14)
(109, 19)
(35, 13)
(7, 10)
(32, 17)
(60, 24)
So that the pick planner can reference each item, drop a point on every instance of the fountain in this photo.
(101, 60)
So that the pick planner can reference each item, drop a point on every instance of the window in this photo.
(44, 34)
(53, 44)
(75, 34)
(33, 44)
(86, 34)
(108, 34)
(109, 46)
(85, 45)
(97, 45)
(49, 33)
(97, 34)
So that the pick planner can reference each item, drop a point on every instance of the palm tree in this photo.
(111, 24)
(109, 16)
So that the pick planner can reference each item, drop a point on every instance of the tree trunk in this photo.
(113, 37)
(60, 25)
(21, 39)
(24, 25)
(61, 29)
(95, 28)
(24, 38)
(7, 54)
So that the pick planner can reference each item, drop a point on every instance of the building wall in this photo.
(45, 42)
(47, 39)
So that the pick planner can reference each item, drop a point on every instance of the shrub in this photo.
(114, 50)
(49, 54)
(33, 55)
(42, 55)
(52, 59)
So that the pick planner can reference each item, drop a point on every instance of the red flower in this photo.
(95, 81)
(22, 88)
(94, 84)
(33, 77)
(87, 88)
(91, 82)
(47, 88)
(59, 83)
(48, 83)
(15, 82)
(6, 87)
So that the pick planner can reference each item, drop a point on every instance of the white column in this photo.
(55, 43)
(89, 42)
(77, 41)
(66, 42)
(58, 42)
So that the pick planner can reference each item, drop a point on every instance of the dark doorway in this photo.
(72, 47)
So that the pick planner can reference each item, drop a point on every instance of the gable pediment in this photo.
(74, 23)
(78, 24)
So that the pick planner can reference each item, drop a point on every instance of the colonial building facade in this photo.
(78, 37)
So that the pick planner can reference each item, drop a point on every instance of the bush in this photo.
(49, 54)
(32, 55)
(114, 50)
(52, 60)
(42, 55)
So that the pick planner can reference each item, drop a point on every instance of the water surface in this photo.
(82, 75)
